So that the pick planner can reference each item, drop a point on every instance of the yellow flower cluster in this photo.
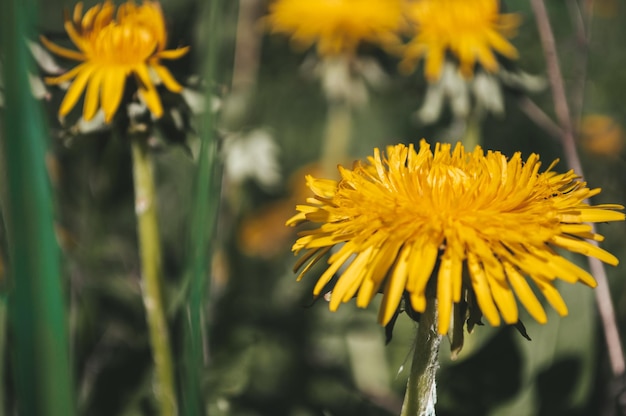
(400, 221)
(469, 30)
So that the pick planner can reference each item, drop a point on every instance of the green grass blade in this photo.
(201, 228)
(40, 349)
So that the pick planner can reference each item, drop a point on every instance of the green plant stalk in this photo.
(421, 389)
(336, 136)
(40, 348)
(472, 136)
(338, 130)
(201, 228)
(152, 286)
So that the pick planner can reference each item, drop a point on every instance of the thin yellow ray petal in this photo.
(69, 75)
(486, 58)
(600, 215)
(504, 299)
(90, 15)
(457, 277)
(151, 98)
(444, 293)
(575, 228)
(332, 269)
(552, 295)
(352, 277)
(309, 254)
(482, 291)
(61, 51)
(78, 12)
(382, 259)
(584, 247)
(423, 261)
(112, 90)
(75, 37)
(326, 188)
(525, 294)
(418, 301)
(434, 64)
(92, 95)
(173, 53)
(501, 45)
(572, 269)
(166, 77)
(76, 89)
(395, 286)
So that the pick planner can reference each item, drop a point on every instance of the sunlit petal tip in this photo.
(173, 53)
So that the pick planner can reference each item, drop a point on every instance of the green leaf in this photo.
(40, 350)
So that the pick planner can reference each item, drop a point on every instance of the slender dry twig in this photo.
(539, 117)
(603, 295)
(581, 19)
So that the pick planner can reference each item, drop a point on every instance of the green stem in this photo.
(338, 120)
(421, 389)
(150, 251)
(473, 134)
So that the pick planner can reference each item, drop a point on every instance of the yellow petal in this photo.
(92, 95)
(504, 299)
(395, 287)
(173, 53)
(482, 291)
(444, 293)
(76, 89)
(61, 51)
(584, 247)
(151, 98)
(166, 77)
(112, 89)
(552, 295)
(525, 294)
(337, 262)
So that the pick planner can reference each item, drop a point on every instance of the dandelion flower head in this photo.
(412, 216)
(470, 30)
(112, 46)
(337, 26)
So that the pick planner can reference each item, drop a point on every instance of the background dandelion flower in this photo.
(112, 48)
(413, 214)
(470, 30)
(337, 26)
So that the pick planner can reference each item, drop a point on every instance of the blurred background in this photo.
(271, 350)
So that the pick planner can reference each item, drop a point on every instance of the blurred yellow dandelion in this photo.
(111, 49)
(337, 26)
(413, 216)
(470, 30)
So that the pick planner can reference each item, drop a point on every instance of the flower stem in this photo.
(336, 136)
(152, 290)
(473, 134)
(421, 389)
(335, 148)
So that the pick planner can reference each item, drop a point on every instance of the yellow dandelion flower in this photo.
(470, 30)
(337, 26)
(413, 216)
(111, 48)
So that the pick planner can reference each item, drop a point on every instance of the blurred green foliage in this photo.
(273, 350)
